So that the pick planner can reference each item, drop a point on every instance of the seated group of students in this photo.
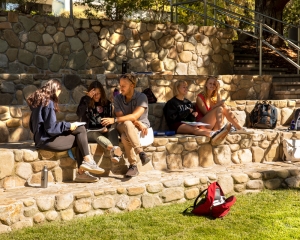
(105, 121)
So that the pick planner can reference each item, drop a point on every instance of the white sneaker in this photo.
(115, 154)
(85, 177)
(91, 167)
(243, 130)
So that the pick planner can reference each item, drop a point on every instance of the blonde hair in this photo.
(130, 77)
(213, 96)
(176, 85)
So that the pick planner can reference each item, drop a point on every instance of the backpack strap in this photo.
(195, 202)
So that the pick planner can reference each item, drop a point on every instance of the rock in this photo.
(12, 39)
(222, 155)
(26, 22)
(34, 36)
(6, 163)
(77, 60)
(191, 193)
(122, 202)
(172, 194)
(40, 62)
(105, 202)
(63, 201)
(181, 69)
(166, 41)
(45, 203)
(25, 57)
(24, 170)
(55, 62)
(137, 65)
(3, 46)
(10, 212)
(47, 39)
(82, 205)
(133, 191)
(190, 160)
(59, 37)
(76, 44)
(150, 201)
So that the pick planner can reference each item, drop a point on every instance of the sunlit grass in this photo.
(266, 215)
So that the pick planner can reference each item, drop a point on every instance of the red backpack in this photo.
(214, 204)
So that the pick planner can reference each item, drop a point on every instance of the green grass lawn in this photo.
(266, 215)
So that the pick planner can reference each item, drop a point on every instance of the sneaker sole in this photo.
(114, 160)
(132, 175)
(146, 161)
(221, 136)
(95, 171)
(86, 181)
(118, 152)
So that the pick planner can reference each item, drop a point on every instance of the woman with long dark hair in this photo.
(48, 134)
(91, 109)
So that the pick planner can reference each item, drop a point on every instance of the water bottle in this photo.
(44, 177)
(116, 92)
(298, 124)
(292, 125)
(124, 66)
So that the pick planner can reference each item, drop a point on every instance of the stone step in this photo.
(286, 78)
(243, 56)
(27, 206)
(255, 70)
(251, 63)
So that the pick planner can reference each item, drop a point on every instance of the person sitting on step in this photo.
(131, 110)
(179, 110)
(92, 109)
(212, 109)
(49, 134)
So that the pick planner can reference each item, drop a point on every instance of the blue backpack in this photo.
(263, 115)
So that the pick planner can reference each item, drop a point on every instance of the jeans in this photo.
(104, 139)
(67, 140)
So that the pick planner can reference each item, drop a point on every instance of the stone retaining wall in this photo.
(39, 44)
(63, 204)
(15, 88)
(23, 166)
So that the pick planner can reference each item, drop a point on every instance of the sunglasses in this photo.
(128, 76)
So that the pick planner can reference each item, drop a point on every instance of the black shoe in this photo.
(220, 135)
(144, 158)
(132, 171)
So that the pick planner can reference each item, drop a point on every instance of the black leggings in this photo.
(67, 140)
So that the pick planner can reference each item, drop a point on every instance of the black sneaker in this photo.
(144, 158)
(132, 171)
(220, 135)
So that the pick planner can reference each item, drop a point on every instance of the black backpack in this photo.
(263, 115)
(150, 95)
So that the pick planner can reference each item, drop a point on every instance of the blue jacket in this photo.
(43, 124)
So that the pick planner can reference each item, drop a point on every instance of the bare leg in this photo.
(193, 130)
(231, 118)
(214, 117)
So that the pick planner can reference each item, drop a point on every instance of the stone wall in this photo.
(21, 164)
(66, 202)
(43, 44)
(15, 88)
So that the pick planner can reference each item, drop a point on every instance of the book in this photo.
(79, 123)
(104, 129)
(195, 123)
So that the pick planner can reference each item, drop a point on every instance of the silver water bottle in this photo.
(44, 177)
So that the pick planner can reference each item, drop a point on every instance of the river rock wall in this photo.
(39, 44)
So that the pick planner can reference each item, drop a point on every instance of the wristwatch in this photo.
(115, 120)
